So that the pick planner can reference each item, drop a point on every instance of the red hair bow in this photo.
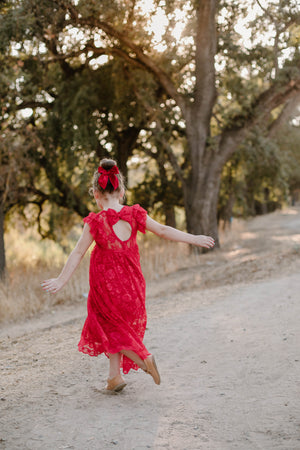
(110, 175)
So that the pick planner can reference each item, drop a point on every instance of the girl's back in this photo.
(117, 230)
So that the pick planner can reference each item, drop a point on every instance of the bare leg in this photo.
(148, 365)
(135, 358)
(114, 364)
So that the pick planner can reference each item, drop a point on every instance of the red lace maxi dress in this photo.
(116, 302)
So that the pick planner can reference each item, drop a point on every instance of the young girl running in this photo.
(116, 319)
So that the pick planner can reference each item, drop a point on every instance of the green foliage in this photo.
(289, 143)
(262, 176)
(18, 170)
(156, 192)
(90, 95)
(79, 110)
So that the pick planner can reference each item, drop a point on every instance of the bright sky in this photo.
(159, 22)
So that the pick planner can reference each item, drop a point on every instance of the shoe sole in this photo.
(154, 373)
(118, 388)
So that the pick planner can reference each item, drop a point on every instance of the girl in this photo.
(116, 319)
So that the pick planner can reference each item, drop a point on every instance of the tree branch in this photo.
(280, 27)
(33, 104)
(160, 133)
(206, 44)
(51, 45)
(286, 113)
(276, 95)
(97, 52)
(141, 57)
(266, 11)
(169, 151)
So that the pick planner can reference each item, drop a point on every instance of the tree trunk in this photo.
(2, 247)
(169, 212)
(201, 200)
(201, 185)
(227, 219)
(201, 189)
(125, 145)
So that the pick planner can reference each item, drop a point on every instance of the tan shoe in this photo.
(151, 368)
(115, 384)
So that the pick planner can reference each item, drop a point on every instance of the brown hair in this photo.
(107, 164)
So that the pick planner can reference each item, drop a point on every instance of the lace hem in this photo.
(126, 363)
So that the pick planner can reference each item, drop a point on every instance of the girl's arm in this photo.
(172, 234)
(55, 284)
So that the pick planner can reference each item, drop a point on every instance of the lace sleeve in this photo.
(91, 220)
(140, 215)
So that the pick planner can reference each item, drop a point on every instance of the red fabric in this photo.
(116, 302)
(110, 175)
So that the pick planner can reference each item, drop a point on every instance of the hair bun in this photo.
(107, 164)
(108, 178)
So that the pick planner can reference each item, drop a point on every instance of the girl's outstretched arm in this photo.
(173, 234)
(55, 284)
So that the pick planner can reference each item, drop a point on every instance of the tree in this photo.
(222, 88)
(255, 180)
(18, 175)
(288, 140)
(214, 129)
(73, 110)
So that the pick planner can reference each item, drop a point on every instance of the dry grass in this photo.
(160, 257)
(30, 261)
(21, 295)
(251, 250)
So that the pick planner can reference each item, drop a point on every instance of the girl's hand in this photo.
(204, 241)
(53, 285)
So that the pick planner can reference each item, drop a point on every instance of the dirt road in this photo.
(226, 339)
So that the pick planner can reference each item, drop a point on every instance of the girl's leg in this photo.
(148, 364)
(135, 358)
(114, 364)
(115, 380)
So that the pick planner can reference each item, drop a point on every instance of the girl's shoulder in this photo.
(137, 207)
(135, 211)
(93, 220)
(92, 216)
(140, 215)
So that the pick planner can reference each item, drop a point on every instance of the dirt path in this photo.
(226, 339)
